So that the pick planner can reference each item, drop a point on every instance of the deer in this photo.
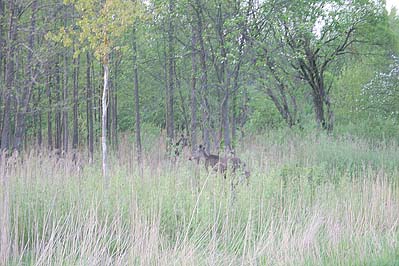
(180, 149)
(220, 164)
(180, 145)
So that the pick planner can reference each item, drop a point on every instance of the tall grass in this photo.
(311, 200)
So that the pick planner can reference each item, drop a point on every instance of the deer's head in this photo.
(198, 153)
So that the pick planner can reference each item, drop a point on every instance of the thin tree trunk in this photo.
(4, 191)
(137, 101)
(114, 95)
(109, 109)
(167, 111)
(26, 94)
(234, 96)
(225, 116)
(204, 80)
(182, 105)
(38, 112)
(193, 90)
(2, 41)
(104, 122)
(58, 114)
(12, 36)
(100, 106)
(65, 107)
(225, 79)
(234, 116)
(49, 112)
(2, 53)
(171, 59)
(89, 102)
(96, 108)
(75, 139)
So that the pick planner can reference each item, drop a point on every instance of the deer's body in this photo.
(180, 149)
(220, 164)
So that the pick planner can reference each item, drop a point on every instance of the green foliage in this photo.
(264, 115)
(99, 25)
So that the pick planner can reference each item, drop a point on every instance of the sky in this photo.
(392, 3)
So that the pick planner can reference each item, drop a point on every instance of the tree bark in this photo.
(114, 95)
(65, 123)
(50, 109)
(137, 101)
(193, 90)
(2, 51)
(58, 114)
(11, 39)
(2, 48)
(171, 87)
(38, 113)
(204, 79)
(104, 122)
(113, 105)
(185, 126)
(109, 109)
(89, 104)
(75, 139)
(225, 79)
(23, 103)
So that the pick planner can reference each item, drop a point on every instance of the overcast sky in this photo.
(392, 3)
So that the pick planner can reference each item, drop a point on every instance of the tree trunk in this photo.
(137, 101)
(2, 56)
(65, 107)
(204, 80)
(171, 58)
(75, 139)
(225, 118)
(318, 109)
(96, 107)
(12, 36)
(330, 115)
(193, 91)
(109, 109)
(185, 126)
(89, 103)
(49, 112)
(234, 108)
(58, 114)
(104, 122)
(114, 95)
(234, 120)
(38, 112)
(26, 94)
(225, 78)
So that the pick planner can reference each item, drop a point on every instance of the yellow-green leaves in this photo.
(61, 36)
(98, 25)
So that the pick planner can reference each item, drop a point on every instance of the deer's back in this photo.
(212, 160)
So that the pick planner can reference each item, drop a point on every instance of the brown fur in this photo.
(219, 164)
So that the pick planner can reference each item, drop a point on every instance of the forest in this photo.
(199, 132)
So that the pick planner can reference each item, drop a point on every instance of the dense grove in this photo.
(227, 132)
(211, 70)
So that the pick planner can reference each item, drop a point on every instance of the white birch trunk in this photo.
(104, 123)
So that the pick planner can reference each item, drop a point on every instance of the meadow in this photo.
(311, 200)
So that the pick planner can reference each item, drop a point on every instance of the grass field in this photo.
(311, 200)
